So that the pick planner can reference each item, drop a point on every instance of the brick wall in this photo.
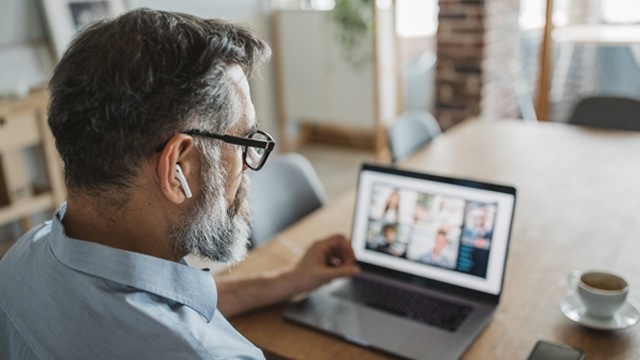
(479, 60)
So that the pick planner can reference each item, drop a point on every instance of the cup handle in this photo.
(573, 279)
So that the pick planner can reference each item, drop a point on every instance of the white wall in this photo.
(20, 22)
(318, 85)
(231, 10)
(25, 60)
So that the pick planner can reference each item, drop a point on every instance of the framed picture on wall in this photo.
(66, 17)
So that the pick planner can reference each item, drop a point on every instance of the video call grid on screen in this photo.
(450, 233)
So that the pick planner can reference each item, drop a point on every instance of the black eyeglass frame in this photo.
(268, 145)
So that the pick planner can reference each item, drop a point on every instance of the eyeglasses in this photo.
(256, 147)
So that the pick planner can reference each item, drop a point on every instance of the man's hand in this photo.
(325, 260)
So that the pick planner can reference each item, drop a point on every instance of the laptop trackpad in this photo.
(356, 323)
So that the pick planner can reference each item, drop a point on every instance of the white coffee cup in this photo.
(601, 292)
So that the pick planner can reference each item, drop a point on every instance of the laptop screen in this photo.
(450, 230)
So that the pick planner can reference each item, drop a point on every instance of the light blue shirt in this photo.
(62, 298)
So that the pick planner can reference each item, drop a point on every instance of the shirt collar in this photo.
(177, 282)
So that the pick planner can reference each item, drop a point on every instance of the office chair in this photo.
(285, 190)
(607, 112)
(410, 131)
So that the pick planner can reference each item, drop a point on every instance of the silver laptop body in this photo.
(433, 252)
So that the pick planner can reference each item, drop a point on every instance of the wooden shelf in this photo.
(23, 133)
(25, 208)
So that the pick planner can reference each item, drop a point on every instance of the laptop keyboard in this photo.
(420, 307)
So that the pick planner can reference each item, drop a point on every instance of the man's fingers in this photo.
(340, 271)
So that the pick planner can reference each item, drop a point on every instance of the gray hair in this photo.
(126, 85)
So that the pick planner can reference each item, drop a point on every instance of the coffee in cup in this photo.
(602, 293)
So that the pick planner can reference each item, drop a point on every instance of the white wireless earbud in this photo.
(183, 181)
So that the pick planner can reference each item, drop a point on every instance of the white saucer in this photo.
(573, 308)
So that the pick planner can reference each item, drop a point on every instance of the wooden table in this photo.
(578, 207)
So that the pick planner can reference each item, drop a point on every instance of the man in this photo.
(436, 256)
(153, 119)
(477, 231)
(386, 241)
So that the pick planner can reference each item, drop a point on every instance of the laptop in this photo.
(433, 252)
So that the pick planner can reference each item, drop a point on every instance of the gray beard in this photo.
(213, 229)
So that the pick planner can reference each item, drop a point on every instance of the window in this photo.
(416, 18)
(620, 11)
(532, 12)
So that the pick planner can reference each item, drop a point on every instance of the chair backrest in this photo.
(285, 190)
(607, 112)
(410, 131)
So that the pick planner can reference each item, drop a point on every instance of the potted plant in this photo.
(355, 20)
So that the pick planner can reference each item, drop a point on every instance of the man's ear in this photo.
(175, 167)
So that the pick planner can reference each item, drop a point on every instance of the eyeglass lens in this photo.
(256, 155)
